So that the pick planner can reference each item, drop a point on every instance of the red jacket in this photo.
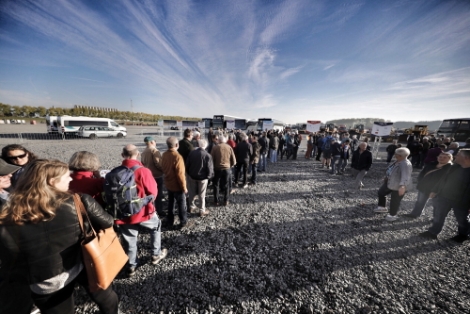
(146, 185)
(84, 182)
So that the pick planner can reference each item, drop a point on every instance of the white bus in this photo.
(266, 124)
(51, 124)
(70, 125)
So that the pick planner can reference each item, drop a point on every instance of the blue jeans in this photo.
(420, 204)
(333, 164)
(442, 207)
(342, 164)
(180, 198)
(262, 162)
(129, 236)
(273, 155)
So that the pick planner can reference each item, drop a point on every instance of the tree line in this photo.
(30, 111)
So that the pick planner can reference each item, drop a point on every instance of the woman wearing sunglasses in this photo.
(17, 155)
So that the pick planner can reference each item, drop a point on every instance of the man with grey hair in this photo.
(196, 141)
(175, 182)
(200, 169)
(453, 148)
(147, 217)
(152, 159)
(243, 151)
(452, 192)
(224, 159)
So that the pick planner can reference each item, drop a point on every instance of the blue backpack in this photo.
(120, 193)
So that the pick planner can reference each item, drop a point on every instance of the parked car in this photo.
(175, 128)
(94, 131)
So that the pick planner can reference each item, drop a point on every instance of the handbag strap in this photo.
(80, 208)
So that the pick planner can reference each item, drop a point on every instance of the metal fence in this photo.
(136, 135)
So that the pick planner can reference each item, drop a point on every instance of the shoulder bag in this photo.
(103, 255)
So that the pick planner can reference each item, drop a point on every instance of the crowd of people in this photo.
(40, 236)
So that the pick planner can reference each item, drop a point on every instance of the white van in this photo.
(70, 125)
(51, 124)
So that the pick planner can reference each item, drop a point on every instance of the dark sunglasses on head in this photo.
(17, 157)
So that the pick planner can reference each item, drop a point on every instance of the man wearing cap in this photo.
(6, 172)
(152, 159)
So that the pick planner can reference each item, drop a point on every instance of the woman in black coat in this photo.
(40, 239)
(427, 179)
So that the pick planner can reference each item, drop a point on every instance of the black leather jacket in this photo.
(36, 252)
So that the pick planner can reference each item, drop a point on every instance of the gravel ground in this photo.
(300, 241)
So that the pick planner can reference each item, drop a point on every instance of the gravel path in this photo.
(300, 241)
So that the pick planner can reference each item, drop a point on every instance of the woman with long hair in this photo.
(40, 238)
(18, 155)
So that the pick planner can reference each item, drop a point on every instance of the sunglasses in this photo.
(17, 157)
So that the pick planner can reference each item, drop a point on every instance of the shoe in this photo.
(427, 234)
(157, 258)
(381, 209)
(226, 203)
(35, 310)
(460, 238)
(410, 216)
(391, 218)
(130, 272)
(203, 213)
(192, 209)
(232, 191)
(245, 186)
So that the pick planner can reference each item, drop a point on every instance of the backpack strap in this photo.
(135, 167)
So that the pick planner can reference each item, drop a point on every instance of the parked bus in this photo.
(220, 121)
(269, 124)
(51, 124)
(207, 122)
(70, 125)
(456, 128)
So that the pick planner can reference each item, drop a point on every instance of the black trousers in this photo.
(61, 302)
(238, 168)
(221, 184)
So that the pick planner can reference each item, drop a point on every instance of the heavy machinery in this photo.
(358, 130)
(419, 131)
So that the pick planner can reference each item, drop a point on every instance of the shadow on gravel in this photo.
(257, 262)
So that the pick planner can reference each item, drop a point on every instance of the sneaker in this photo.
(391, 218)
(130, 272)
(460, 238)
(157, 258)
(187, 225)
(245, 186)
(381, 209)
(203, 213)
(427, 234)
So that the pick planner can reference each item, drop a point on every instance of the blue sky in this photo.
(292, 60)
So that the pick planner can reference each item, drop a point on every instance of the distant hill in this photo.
(368, 122)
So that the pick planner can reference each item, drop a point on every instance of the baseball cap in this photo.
(148, 139)
(6, 168)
